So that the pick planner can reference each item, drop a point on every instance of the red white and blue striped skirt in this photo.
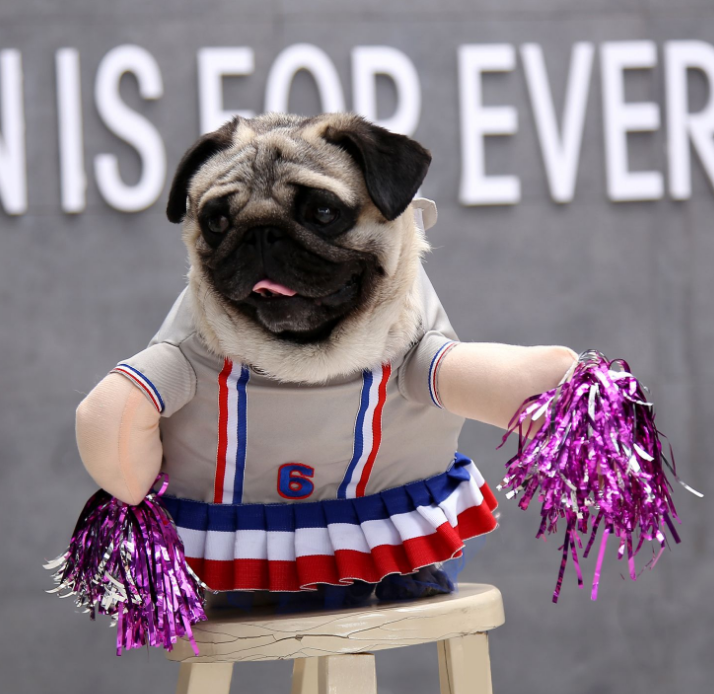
(294, 547)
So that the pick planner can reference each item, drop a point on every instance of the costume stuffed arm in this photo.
(118, 438)
(117, 424)
(488, 382)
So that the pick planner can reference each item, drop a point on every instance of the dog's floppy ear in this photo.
(393, 165)
(199, 153)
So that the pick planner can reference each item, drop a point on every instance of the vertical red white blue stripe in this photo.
(434, 371)
(232, 433)
(143, 382)
(368, 433)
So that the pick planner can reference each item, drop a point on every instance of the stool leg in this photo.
(347, 674)
(304, 676)
(204, 678)
(464, 665)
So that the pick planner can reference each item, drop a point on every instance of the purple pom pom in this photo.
(596, 462)
(128, 562)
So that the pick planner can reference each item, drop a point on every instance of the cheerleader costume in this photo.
(286, 487)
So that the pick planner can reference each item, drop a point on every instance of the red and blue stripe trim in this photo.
(434, 371)
(150, 390)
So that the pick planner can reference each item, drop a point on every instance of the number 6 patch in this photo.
(294, 481)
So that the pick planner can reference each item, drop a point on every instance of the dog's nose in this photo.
(272, 235)
(267, 235)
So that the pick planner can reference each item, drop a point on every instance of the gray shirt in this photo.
(231, 434)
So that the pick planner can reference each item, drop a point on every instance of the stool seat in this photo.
(326, 644)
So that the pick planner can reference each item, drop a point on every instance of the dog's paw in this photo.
(428, 581)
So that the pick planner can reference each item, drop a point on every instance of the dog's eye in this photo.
(215, 220)
(218, 224)
(322, 214)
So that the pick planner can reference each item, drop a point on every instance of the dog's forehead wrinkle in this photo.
(276, 148)
(212, 176)
(275, 160)
(331, 163)
(240, 163)
(328, 158)
(229, 174)
(237, 168)
(260, 209)
(300, 176)
(237, 196)
(289, 145)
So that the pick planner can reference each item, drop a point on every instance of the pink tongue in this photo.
(266, 286)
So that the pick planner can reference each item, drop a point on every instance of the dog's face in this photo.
(293, 223)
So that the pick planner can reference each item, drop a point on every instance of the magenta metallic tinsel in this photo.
(128, 562)
(596, 462)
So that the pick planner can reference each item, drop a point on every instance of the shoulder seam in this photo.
(177, 345)
(188, 361)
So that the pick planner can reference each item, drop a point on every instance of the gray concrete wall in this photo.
(633, 279)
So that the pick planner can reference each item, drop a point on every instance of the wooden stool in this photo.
(332, 649)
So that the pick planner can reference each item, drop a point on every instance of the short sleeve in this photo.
(418, 375)
(163, 374)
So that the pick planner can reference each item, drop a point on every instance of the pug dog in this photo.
(306, 392)
(302, 259)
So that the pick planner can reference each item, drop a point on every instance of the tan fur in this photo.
(259, 169)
